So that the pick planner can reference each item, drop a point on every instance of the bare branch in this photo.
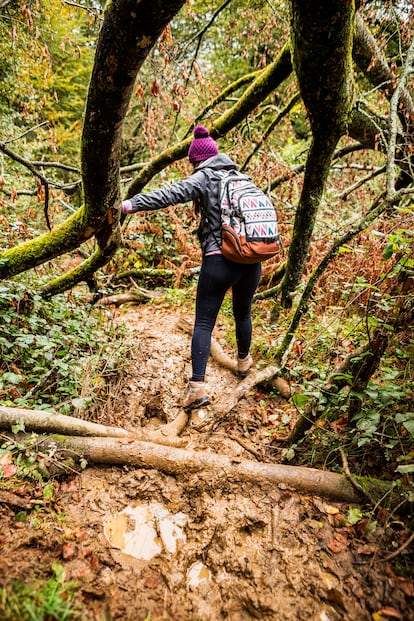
(293, 100)
(394, 107)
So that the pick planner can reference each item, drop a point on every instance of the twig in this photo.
(349, 476)
(397, 552)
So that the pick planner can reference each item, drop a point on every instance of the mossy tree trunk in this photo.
(128, 33)
(321, 35)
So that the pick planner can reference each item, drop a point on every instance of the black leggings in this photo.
(217, 275)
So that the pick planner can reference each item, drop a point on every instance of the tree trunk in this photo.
(322, 59)
(128, 33)
(366, 368)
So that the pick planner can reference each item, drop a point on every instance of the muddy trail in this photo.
(143, 544)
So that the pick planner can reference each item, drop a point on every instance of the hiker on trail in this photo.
(217, 274)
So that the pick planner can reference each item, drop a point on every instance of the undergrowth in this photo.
(54, 599)
(59, 354)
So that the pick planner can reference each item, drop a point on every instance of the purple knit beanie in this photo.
(203, 145)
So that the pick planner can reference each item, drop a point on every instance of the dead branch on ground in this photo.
(227, 362)
(49, 422)
(183, 462)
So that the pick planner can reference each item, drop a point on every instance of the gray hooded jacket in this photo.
(202, 188)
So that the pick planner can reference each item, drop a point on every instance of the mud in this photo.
(202, 549)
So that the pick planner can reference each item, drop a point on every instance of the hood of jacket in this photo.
(217, 162)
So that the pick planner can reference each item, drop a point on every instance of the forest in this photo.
(291, 495)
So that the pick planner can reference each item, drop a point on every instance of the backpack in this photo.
(249, 232)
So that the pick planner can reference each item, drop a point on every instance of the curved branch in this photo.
(29, 165)
(124, 42)
(231, 88)
(266, 82)
(379, 171)
(199, 35)
(366, 221)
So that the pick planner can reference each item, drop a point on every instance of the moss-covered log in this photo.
(148, 276)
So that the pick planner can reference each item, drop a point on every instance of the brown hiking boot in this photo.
(244, 365)
(195, 395)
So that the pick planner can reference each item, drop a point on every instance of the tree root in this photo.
(177, 461)
(227, 362)
(159, 449)
(48, 422)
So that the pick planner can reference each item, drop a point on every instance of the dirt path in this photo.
(188, 549)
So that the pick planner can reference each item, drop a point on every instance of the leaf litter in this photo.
(143, 544)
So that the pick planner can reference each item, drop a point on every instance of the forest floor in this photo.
(145, 545)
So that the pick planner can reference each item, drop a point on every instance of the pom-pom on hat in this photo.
(203, 145)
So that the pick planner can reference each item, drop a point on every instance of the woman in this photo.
(217, 274)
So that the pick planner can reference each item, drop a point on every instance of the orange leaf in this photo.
(368, 548)
(155, 88)
(68, 551)
(389, 612)
(8, 470)
(338, 543)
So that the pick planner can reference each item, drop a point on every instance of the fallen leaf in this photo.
(386, 612)
(8, 470)
(338, 543)
(362, 526)
(367, 548)
(70, 486)
(7, 467)
(338, 520)
(406, 586)
(94, 562)
(324, 507)
(150, 583)
(68, 551)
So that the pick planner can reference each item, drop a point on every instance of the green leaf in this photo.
(299, 400)
(12, 378)
(407, 421)
(406, 469)
(388, 251)
(19, 426)
(48, 491)
(354, 515)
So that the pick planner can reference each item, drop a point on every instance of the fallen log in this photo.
(131, 297)
(48, 422)
(178, 461)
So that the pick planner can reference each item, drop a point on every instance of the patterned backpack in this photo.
(249, 232)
